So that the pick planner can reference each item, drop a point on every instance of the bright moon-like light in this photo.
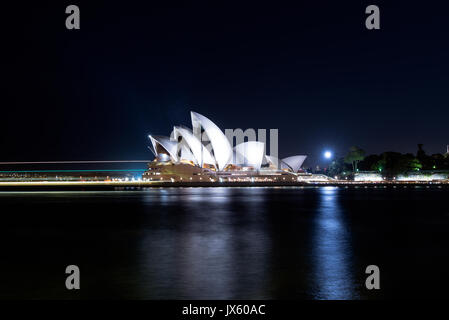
(328, 154)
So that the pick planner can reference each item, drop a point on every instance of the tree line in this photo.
(388, 164)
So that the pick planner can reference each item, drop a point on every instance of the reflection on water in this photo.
(221, 246)
(210, 249)
(221, 243)
(333, 277)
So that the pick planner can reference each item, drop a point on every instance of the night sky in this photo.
(311, 70)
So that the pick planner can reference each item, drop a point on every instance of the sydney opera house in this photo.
(204, 153)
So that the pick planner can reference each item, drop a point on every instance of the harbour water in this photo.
(226, 243)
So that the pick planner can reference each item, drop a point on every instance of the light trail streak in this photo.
(77, 183)
(62, 162)
(102, 170)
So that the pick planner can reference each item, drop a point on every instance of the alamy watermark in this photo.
(73, 280)
(73, 20)
(373, 280)
(238, 136)
(240, 142)
(372, 22)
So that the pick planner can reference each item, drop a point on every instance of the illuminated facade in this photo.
(206, 149)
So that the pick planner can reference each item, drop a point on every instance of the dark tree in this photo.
(369, 163)
(354, 156)
(338, 167)
(420, 154)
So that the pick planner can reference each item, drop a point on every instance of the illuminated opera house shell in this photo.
(215, 150)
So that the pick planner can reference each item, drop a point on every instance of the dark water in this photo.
(226, 243)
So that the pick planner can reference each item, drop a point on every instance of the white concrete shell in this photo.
(294, 162)
(199, 152)
(219, 152)
(186, 154)
(220, 145)
(273, 161)
(249, 154)
(166, 144)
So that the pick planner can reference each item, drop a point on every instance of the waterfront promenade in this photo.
(125, 185)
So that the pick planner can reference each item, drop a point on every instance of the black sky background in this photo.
(310, 69)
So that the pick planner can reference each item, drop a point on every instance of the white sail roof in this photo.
(199, 152)
(186, 154)
(220, 145)
(219, 152)
(166, 144)
(249, 154)
(272, 161)
(294, 162)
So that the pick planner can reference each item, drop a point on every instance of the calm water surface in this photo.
(226, 243)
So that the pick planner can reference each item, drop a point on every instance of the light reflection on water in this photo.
(196, 243)
(220, 243)
(210, 254)
(333, 276)
(222, 247)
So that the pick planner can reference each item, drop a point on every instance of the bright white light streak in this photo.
(61, 162)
